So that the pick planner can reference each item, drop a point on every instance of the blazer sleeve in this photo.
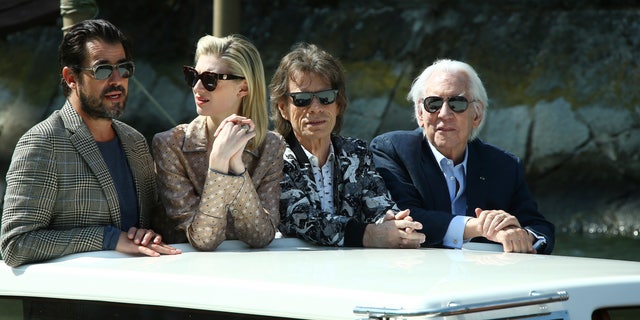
(361, 184)
(30, 206)
(525, 209)
(267, 176)
(403, 173)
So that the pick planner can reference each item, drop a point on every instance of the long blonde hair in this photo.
(243, 59)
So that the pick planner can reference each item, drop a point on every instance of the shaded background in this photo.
(561, 76)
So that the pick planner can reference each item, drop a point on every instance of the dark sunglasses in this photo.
(457, 104)
(303, 99)
(104, 71)
(209, 79)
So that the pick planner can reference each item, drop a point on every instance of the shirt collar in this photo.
(440, 157)
(314, 160)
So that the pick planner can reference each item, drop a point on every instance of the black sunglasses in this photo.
(457, 104)
(104, 71)
(209, 79)
(303, 99)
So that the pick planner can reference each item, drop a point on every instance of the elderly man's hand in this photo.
(515, 239)
(491, 221)
(502, 227)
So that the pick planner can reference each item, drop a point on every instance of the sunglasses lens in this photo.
(210, 81)
(326, 97)
(433, 104)
(458, 104)
(302, 99)
(103, 71)
(190, 76)
(126, 69)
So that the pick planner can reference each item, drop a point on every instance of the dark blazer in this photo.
(495, 181)
(60, 195)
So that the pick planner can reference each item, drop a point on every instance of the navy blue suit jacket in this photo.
(495, 181)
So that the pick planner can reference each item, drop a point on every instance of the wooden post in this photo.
(226, 17)
(74, 11)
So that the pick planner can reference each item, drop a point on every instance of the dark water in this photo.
(601, 246)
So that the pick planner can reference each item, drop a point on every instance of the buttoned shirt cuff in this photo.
(539, 242)
(455, 232)
(110, 238)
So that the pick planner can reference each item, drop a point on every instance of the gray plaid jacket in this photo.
(60, 195)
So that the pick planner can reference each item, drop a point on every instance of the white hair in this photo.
(476, 89)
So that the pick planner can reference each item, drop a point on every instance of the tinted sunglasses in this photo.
(104, 71)
(303, 99)
(457, 104)
(209, 79)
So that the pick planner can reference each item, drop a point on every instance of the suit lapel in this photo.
(83, 142)
(429, 180)
(476, 179)
(136, 164)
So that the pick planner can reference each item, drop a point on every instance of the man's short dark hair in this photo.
(72, 50)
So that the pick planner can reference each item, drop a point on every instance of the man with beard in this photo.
(81, 181)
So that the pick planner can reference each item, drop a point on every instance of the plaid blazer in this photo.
(60, 195)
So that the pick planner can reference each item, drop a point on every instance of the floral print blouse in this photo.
(360, 197)
(209, 206)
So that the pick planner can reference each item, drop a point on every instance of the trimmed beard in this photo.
(94, 107)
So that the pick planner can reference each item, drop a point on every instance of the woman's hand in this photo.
(231, 137)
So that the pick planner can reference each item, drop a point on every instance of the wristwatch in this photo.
(540, 242)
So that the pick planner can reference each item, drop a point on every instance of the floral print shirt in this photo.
(360, 197)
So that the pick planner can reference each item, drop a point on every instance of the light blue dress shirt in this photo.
(453, 238)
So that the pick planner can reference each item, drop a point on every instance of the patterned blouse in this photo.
(360, 197)
(209, 206)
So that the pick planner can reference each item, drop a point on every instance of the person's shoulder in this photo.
(398, 139)
(49, 127)
(273, 143)
(345, 146)
(175, 133)
(273, 138)
(345, 140)
(399, 135)
(127, 129)
(491, 150)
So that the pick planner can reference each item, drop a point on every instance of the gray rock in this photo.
(556, 135)
(508, 129)
(606, 121)
(363, 118)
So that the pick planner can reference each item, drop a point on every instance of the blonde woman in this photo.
(219, 176)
